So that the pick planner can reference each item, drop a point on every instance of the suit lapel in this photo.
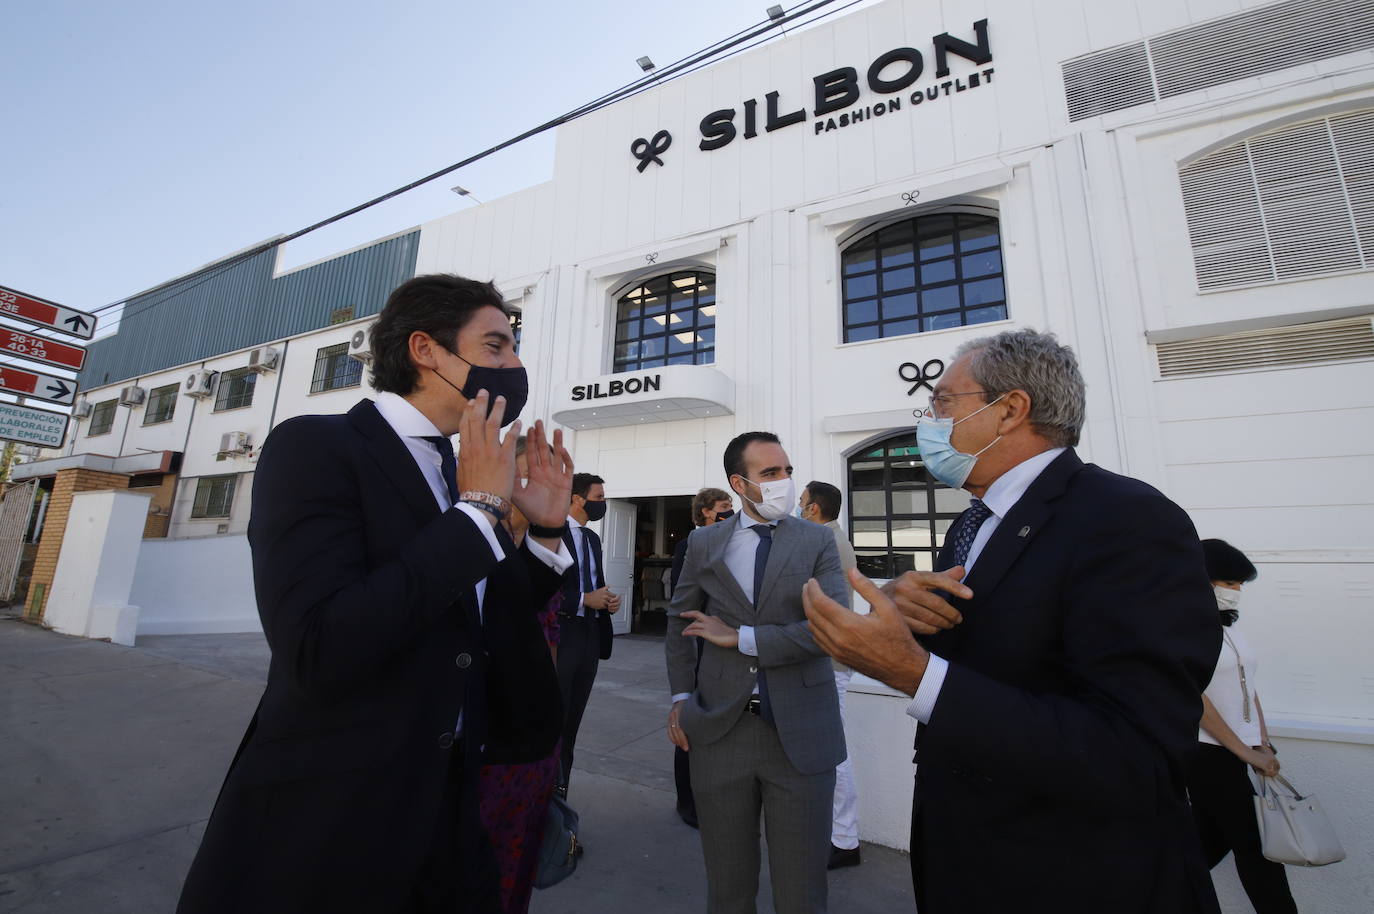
(393, 458)
(716, 562)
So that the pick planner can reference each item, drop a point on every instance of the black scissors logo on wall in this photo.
(649, 150)
(921, 376)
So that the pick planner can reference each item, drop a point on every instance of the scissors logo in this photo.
(921, 376)
(910, 197)
(649, 150)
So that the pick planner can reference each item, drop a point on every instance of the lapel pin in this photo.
(1025, 531)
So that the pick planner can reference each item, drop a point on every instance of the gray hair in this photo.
(1040, 365)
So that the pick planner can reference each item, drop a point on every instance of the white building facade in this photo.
(795, 239)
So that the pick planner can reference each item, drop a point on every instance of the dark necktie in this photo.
(765, 534)
(587, 578)
(968, 524)
(448, 465)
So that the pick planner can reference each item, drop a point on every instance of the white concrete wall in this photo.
(195, 586)
(91, 587)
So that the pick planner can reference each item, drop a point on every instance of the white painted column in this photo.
(95, 572)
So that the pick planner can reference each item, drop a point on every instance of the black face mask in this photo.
(724, 515)
(595, 510)
(1229, 616)
(511, 383)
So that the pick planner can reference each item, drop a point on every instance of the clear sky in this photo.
(145, 138)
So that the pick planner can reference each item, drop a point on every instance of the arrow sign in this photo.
(41, 349)
(35, 310)
(27, 425)
(34, 384)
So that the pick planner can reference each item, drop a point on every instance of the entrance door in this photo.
(618, 546)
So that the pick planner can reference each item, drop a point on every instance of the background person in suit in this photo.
(820, 503)
(708, 506)
(402, 624)
(759, 712)
(1058, 715)
(585, 617)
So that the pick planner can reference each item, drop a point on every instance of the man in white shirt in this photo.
(1058, 688)
(402, 619)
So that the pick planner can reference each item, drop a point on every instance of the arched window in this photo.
(927, 273)
(666, 320)
(898, 514)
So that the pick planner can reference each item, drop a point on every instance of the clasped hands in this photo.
(602, 598)
(883, 643)
(486, 463)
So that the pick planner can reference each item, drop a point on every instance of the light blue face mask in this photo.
(939, 456)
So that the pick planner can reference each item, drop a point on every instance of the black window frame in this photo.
(206, 498)
(166, 395)
(639, 307)
(227, 397)
(104, 411)
(901, 471)
(888, 287)
(327, 377)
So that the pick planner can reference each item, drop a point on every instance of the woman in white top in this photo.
(1232, 736)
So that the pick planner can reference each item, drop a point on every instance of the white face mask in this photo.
(778, 498)
(1227, 598)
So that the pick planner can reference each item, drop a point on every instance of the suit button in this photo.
(753, 669)
(445, 740)
(464, 661)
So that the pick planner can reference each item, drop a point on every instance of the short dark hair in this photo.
(826, 497)
(734, 451)
(707, 498)
(439, 304)
(583, 482)
(1227, 563)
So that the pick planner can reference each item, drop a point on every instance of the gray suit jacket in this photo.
(801, 681)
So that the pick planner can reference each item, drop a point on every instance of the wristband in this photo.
(483, 506)
(488, 500)
(548, 533)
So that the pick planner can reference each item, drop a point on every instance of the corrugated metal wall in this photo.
(244, 306)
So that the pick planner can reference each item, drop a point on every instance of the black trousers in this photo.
(579, 654)
(1224, 810)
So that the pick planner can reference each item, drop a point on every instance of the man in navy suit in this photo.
(1057, 688)
(406, 650)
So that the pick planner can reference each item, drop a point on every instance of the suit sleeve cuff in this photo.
(928, 692)
(479, 519)
(747, 643)
(559, 561)
(681, 696)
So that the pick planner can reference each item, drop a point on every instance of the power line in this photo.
(683, 67)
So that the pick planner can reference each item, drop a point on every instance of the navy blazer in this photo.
(366, 594)
(572, 586)
(1051, 774)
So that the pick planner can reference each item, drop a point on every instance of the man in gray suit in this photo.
(760, 714)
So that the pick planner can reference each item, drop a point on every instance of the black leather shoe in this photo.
(689, 815)
(840, 857)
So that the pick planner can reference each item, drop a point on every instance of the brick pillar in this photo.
(65, 485)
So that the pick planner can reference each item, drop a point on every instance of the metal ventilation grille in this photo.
(1243, 45)
(1108, 81)
(1291, 203)
(1303, 344)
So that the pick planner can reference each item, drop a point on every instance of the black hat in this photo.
(1227, 563)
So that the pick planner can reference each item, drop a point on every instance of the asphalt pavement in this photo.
(111, 757)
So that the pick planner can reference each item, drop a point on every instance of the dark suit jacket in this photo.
(679, 556)
(572, 586)
(366, 595)
(1051, 774)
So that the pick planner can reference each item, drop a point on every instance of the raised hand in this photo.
(917, 596)
(879, 645)
(485, 463)
(545, 496)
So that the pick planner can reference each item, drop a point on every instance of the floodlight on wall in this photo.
(645, 64)
(777, 14)
(464, 192)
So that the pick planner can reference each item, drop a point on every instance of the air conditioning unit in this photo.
(235, 443)
(82, 408)
(360, 347)
(132, 396)
(199, 384)
(264, 359)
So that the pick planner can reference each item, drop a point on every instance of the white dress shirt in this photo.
(1000, 498)
(579, 531)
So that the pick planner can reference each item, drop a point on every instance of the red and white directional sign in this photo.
(41, 349)
(35, 310)
(35, 384)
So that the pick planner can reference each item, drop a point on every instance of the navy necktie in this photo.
(968, 524)
(448, 465)
(765, 534)
(587, 578)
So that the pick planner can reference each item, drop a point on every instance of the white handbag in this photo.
(1293, 828)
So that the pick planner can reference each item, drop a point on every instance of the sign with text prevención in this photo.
(35, 310)
(27, 425)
